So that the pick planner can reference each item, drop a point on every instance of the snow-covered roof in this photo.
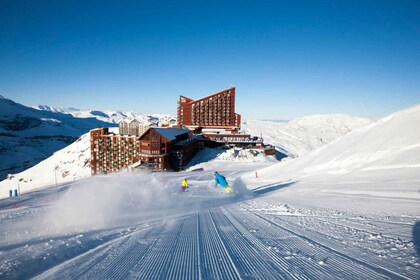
(170, 133)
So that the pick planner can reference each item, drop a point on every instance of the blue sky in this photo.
(286, 58)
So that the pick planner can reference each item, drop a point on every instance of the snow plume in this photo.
(109, 201)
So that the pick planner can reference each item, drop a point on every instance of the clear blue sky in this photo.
(286, 58)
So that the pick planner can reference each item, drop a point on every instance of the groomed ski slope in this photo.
(163, 233)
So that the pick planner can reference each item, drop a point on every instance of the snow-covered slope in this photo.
(110, 116)
(299, 219)
(66, 165)
(300, 136)
(384, 151)
(28, 136)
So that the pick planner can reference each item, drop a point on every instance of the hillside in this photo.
(385, 151)
(300, 136)
(28, 136)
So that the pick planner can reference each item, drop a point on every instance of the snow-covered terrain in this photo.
(66, 165)
(386, 150)
(28, 136)
(297, 137)
(349, 210)
(300, 136)
(110, 116)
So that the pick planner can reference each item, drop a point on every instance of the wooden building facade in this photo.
(111, 153)
(157, 149)
(167, 148)
(214, 111)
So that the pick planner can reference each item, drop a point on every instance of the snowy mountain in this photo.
(110, 116)
(384, 151)
(28, 136)
(302, 135)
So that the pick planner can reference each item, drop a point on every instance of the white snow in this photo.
(371, 151)
(347, 210)
(303, 135)
(110, 116)
(66, 165)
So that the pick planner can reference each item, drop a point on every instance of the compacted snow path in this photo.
(247, 235)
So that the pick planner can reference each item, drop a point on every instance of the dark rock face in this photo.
(20, 123)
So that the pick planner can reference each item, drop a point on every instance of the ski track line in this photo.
(283, 269)
(155, 263)
(377, 269)
(364, 226)
(184, 264)
(392, 263)
(214, 252)
(102, 263)
(347, 229)
(120, 259)
(305, 257)
(300, 256)
(87, 262)
(252, 258)
(198, 246)
(61, 271)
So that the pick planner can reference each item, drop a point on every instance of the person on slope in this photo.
(221, 180)
(184, 185)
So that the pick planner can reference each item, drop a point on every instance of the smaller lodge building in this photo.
(157, 149)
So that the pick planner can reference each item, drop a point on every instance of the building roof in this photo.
(170, 133)
(191, 101)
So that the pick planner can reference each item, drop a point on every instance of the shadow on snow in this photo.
(416, 237)
(271, 188)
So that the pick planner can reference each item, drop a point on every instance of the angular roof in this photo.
(190, 101)
(170, 133)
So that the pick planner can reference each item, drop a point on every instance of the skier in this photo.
(184, 184)
(221, 180)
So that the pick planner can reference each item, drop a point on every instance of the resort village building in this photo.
(111, 153)
(214, 111)
(157, 149)
(131, 127)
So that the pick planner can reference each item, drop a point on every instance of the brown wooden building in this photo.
(214, 111)
(157, 149)
(111, 153)
(167, 148)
